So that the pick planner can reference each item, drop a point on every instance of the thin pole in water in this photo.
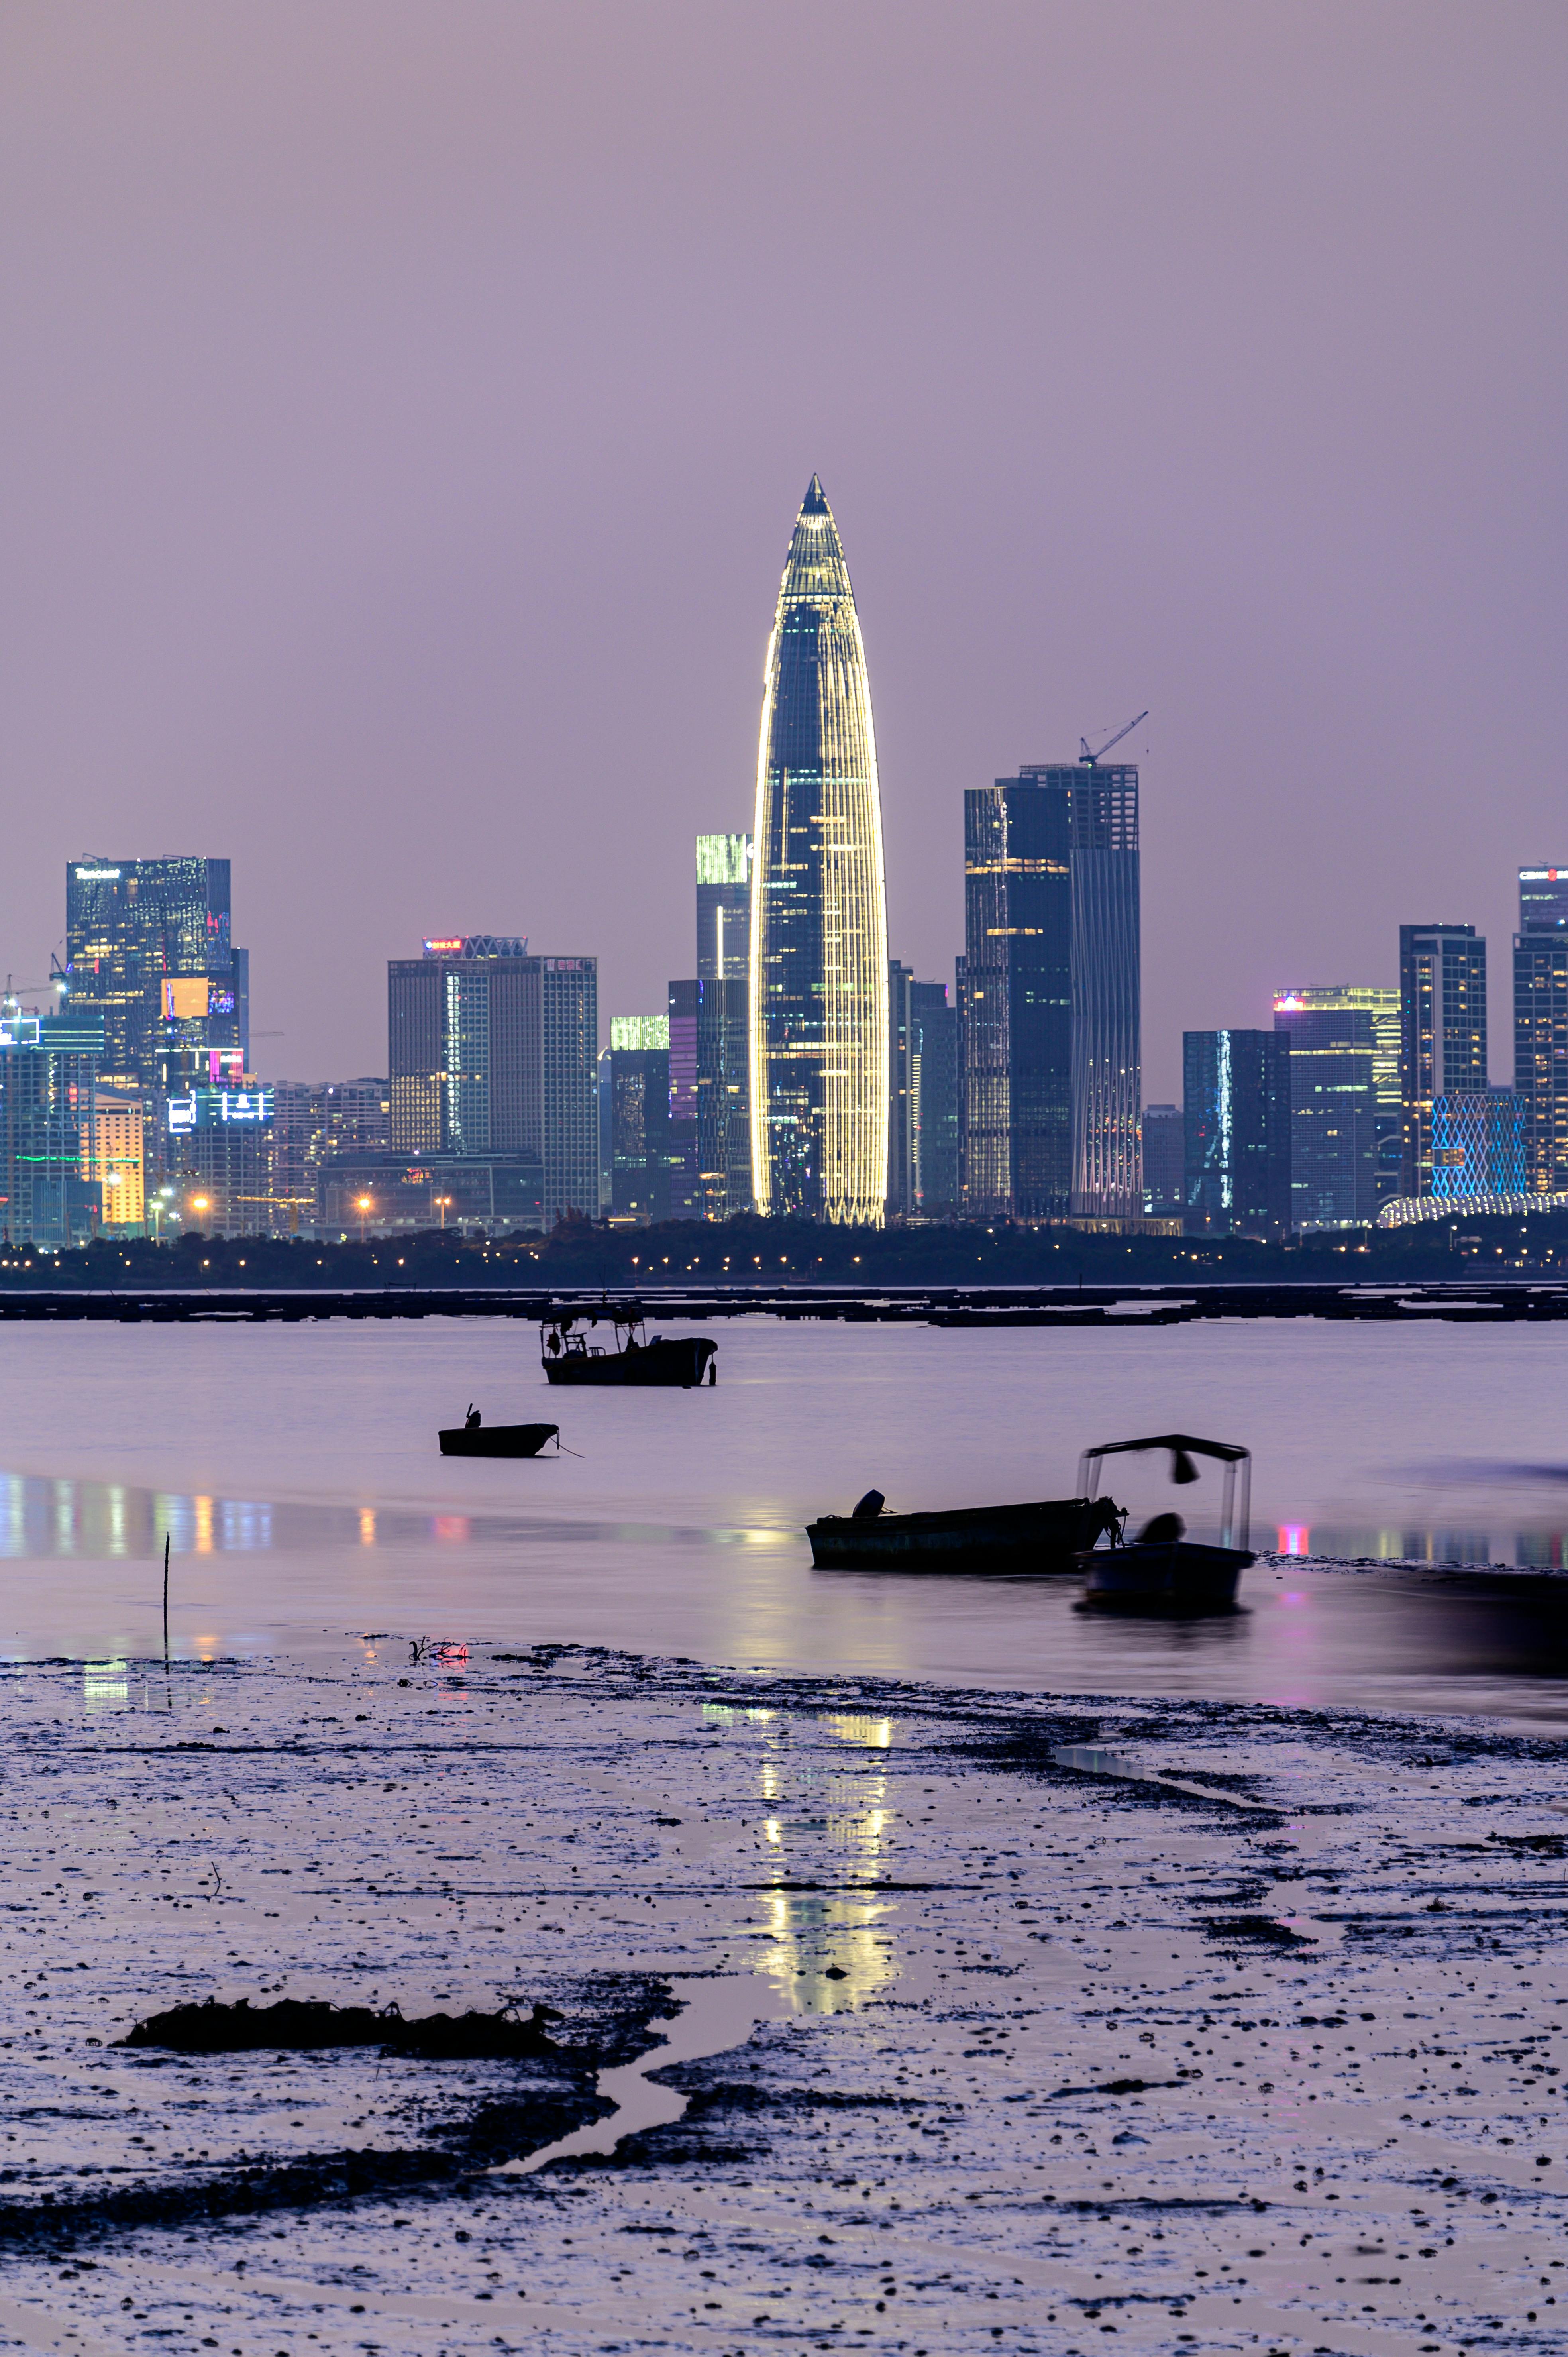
(166, 1599)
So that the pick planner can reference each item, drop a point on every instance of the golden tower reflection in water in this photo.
(827, 1950)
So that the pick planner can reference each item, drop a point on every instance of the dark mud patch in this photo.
(1255, 1931)
(290, 2027)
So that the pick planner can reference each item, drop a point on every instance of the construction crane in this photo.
(1090, 759)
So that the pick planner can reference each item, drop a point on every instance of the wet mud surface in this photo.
(986, 2023)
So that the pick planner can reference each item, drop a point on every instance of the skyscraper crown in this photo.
(815, 572)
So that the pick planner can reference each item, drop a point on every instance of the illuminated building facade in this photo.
(48, 1179)
(147, 944)
(216, 1156)
(312, 1123)
(1334, 1113)
(1237, 1121)
(118, 1156)
(819, 918)
(724, 1026)
(640, 1118)
(1443, 1034)
(1478, 1144)
(1382, 1006)
(493, 1051)
(723, 908)
(1540, 1024)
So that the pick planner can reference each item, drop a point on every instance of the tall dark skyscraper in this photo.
(147, 943)
(1237, 1108)
(640, 1088)
(724, 1026)
(492, 1052)
(1442, 1033)
(1107, 991)
(900, 1092)
(1541, 1024)
(933, 1068)
(1052, 1003)
(1164, 1161)
(819, 962)
(1334, 1113)
(1018, 996)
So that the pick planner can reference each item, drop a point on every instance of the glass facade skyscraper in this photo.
(1541, 1024)
(1443, 1034)
(492, 1052)
(933, 1084)
(1334, 1113)
(724, 907)
(1237, 1118)
(1017, 998)
(1051, 1011)
(147, 943)
(1382, 1006)
(819, 917)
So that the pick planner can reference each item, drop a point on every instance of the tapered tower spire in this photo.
(819, 911)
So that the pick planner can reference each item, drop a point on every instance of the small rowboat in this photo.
(477, 1439)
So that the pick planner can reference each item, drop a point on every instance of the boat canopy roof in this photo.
(1182, 1443)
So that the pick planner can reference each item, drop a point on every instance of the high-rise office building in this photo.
(819, 926)
(1541, 1024)
(724, 1026)
(1443, 1034)
(493, 1051)
(1018, 1005)
(687, 1195)
(216, 1155)
(639, 1118)
(723, 908)
(1384, 1008)
(900, 1092)
(1051, 1005)
(1164, 1161)
(933, 1088)
(49, 1181)
(1237, 1109)
(724, 1096)
(1107, 992)
(147, 943)
(1334, 1113)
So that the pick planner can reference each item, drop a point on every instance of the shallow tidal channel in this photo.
(988, 2022)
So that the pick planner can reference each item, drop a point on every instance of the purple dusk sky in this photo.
(406, 409)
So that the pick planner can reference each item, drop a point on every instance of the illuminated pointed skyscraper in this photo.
(819, 909)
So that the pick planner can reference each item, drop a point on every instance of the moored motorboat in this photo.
(1044, 1536)
(473, 1437)
(683, 1363)
(1162, 1570)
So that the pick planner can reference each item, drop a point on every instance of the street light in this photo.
(442, 1202)
(364, 1206)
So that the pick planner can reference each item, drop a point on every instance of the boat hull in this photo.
(497, 1439)
(1179, 1576)
(678, 1365)
(1042, 1537)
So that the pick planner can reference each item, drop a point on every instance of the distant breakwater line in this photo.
(1110, 1308)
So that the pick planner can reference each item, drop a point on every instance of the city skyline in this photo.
(425, 604)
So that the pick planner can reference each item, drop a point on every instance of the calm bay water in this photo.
(297, 1472)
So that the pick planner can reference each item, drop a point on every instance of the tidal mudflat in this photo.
(989, 2022)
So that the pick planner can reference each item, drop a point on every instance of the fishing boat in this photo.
(473, 1437)
(1046, 1536)
(1161, 1569)
(568, 1357)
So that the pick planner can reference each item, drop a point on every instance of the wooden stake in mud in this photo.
(166, 1599)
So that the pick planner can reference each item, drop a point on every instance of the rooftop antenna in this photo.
(1089, 758)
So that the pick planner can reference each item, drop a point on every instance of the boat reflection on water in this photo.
(827, 1949)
